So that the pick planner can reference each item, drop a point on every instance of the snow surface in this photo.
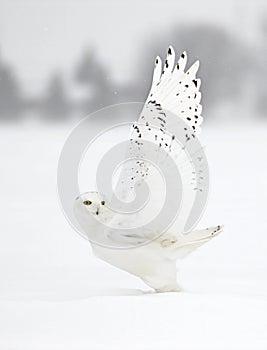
(55, 295)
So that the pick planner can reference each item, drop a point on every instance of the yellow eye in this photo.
(103, 202)
(87, 202)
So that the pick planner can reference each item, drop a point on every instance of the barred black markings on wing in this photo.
(177, 90)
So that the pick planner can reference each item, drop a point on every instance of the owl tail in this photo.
(195, 239)
(163, 277)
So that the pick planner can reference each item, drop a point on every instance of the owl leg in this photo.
(163, 278)
(169, 288)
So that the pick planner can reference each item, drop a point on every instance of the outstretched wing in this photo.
(176, 89)
(174, 96)
(171, 113)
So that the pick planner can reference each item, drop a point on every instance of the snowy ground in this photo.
(55, 295)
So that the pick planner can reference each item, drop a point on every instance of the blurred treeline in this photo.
(233, 72)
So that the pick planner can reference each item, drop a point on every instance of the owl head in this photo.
(91, 202)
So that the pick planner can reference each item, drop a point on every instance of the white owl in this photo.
(172, 113)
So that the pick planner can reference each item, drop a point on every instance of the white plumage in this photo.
(170, 119)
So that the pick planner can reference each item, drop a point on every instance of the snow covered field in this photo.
(55, 295)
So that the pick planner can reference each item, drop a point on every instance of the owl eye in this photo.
(87, 202)
(103, 202)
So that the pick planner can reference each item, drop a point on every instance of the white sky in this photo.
(39, 37)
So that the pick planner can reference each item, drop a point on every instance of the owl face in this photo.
(92, 202)
(93, 216)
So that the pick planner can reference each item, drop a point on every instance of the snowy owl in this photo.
(161, 141)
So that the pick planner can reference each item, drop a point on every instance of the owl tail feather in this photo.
(206, 233)
(195, 239)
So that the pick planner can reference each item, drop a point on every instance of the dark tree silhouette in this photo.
(91, 73)
(261, 71)
(55, 104)
(10, 97)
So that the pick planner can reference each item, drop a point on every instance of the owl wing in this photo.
(174, 98)
(172, 111)
(176, 89)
